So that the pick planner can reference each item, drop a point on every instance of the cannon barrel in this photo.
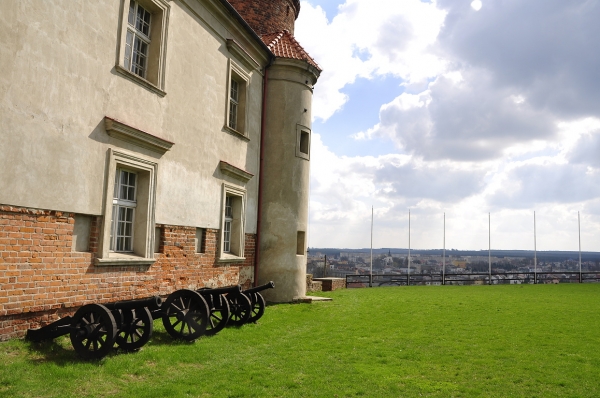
(221, 290)
(51, 331)
(260, 288)
(152, 303)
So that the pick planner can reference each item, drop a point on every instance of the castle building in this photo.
(148, 146)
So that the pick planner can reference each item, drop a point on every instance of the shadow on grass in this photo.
(60, 351)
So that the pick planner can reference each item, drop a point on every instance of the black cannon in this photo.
(95, 328)
(219, 306)
(247, 306)
(184, 314)
(257, 301)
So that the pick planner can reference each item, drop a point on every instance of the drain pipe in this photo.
(260, 169)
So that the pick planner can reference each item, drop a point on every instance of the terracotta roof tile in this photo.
(283, 44)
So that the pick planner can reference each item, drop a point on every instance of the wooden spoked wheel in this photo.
(93, 331)
(240, 309)
(185, 315)
(136, 329)
(258, 307)
(219, 313)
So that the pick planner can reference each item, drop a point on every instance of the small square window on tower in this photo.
(301, 243)
(303, 142)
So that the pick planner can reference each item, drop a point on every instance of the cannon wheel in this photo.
(258, 307)
(185, 315)
(93, 331)
(219, 314)
(240, 308)
(136, 330)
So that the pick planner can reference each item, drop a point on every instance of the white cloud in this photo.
(395, 43)
(499, 112)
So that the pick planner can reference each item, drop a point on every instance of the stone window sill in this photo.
(122, 259)
(230, 258)
(140, 80)
(236, 133)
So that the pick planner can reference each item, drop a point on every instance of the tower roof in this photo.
(283, 44)
(268, 15)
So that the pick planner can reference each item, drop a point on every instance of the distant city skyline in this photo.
(463, 108)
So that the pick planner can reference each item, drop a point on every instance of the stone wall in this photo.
(312, 285)
(43, 279)
(330, 284)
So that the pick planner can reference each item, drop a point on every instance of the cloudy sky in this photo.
(459, 107)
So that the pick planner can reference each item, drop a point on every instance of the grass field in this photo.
(442, 341)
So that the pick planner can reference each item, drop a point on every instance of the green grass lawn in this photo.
(461, 341)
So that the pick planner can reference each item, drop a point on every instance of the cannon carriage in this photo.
(186, 314)
(95, 328)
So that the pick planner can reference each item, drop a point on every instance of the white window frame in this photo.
(234, 103)
(143, 223)
(237, 107)
(153, 77)
(227, 223)
(234, 250)
(136, 40)
(120, 240)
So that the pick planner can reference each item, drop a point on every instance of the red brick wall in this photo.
(42, 279)
(268, 16)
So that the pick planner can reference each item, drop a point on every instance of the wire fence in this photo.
(472, 278)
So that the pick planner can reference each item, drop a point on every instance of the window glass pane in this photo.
(233, 115)
(131, 16)
(123, 194)
(132, 179)
(131, 193)
(227, 237)
(143, 21)
(116, 188)
(127, 229)
(122, 213)
(129, 215)
(228, 209)
(128, 45)
(140, 52)
(234, 90)
(112, 228)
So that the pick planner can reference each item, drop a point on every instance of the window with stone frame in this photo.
(142, 45)
(237, 93)
(128, 230)
(123, 211)
(232, 224)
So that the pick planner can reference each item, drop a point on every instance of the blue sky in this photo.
(359, 113)
(452, 107)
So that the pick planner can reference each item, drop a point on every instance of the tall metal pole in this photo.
(408, 275)
(444, 256)
(579, 227)
(490, 246)
(371, 272)
(534, 250)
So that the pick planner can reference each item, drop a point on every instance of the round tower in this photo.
(285, 151)
(285, 171)
(268, 16)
